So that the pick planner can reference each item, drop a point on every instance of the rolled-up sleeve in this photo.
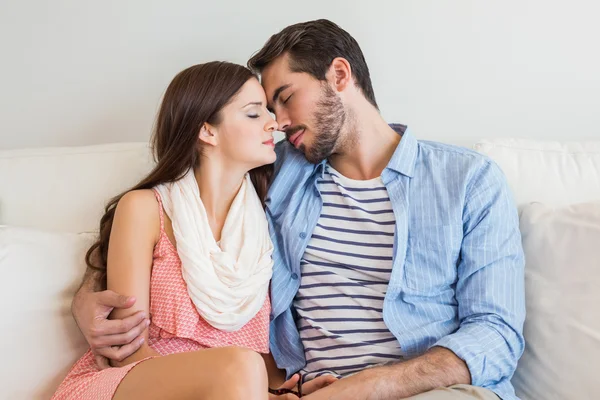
(490, 286)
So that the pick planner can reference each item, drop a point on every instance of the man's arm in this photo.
(491, 307)
(91, 310)
(491, 287)
(438, 367)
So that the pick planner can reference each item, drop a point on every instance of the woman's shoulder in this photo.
(139, 207)
(143, 200)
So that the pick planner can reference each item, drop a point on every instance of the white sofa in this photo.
(51, 201)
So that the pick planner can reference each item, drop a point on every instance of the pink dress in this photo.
(175, 327)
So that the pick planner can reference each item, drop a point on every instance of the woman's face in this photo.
(245, 133)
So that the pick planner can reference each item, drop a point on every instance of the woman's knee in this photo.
(244, 372)
(245, 363)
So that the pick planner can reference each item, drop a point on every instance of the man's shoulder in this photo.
(459, 165)
(288, 156)
(439, 149)
(291, 170)
(460, 160)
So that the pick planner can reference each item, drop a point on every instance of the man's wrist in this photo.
(91, 281)
(89, 285)
(382, 383)
(438, 367)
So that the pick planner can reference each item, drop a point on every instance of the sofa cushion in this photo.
(67, 188)
(562, 276)
(40, 342)
(553, 173)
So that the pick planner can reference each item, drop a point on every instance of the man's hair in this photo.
(312, 46)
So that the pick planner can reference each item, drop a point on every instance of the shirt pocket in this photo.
(432, 256)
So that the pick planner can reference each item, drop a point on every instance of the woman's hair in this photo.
(194, 97)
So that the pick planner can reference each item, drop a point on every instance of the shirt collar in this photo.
(404, 157)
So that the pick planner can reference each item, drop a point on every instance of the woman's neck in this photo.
(218, 187)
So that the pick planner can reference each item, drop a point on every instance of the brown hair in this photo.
(312, 46)
(195, 96)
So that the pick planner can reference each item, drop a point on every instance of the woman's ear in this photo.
(208, 134)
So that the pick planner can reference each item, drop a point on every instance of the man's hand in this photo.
(113, 339)
(361, 386)
(342, 389)
(317, 384)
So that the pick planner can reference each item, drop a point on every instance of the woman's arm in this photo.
(135, 232)
(276, 375)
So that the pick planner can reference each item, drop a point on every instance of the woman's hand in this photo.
(307, 388)
(288, 386)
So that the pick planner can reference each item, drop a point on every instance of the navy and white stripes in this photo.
(346, 269)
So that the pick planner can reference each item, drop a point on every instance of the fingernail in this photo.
(147, 322)
(142, 340)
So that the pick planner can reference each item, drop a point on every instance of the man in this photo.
(398, 263)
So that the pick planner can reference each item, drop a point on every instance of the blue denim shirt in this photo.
(458, 269)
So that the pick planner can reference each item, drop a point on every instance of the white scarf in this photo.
(228, 284)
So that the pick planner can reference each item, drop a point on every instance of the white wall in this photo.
(83, 72)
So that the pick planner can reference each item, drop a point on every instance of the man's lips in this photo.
(295, 139)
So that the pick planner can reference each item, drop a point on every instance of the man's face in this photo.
(308, 110)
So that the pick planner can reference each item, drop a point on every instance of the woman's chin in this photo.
(263, 162)
(269, 158)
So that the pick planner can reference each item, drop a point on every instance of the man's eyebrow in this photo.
(279, 90)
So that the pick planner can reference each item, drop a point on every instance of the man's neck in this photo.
(368, 146)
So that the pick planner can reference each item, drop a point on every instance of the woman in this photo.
(191, 243)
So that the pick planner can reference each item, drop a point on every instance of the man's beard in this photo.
(329, 120)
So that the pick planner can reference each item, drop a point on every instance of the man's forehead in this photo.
(275, 75)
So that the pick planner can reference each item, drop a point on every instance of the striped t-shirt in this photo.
(345, 273)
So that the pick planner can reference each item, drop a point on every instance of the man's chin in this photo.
(312, 158)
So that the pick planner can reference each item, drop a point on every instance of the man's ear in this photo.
(340, 74)
(208, 134)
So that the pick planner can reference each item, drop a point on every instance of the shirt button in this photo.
(294, 276)
(302, 235)
(271, 317)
